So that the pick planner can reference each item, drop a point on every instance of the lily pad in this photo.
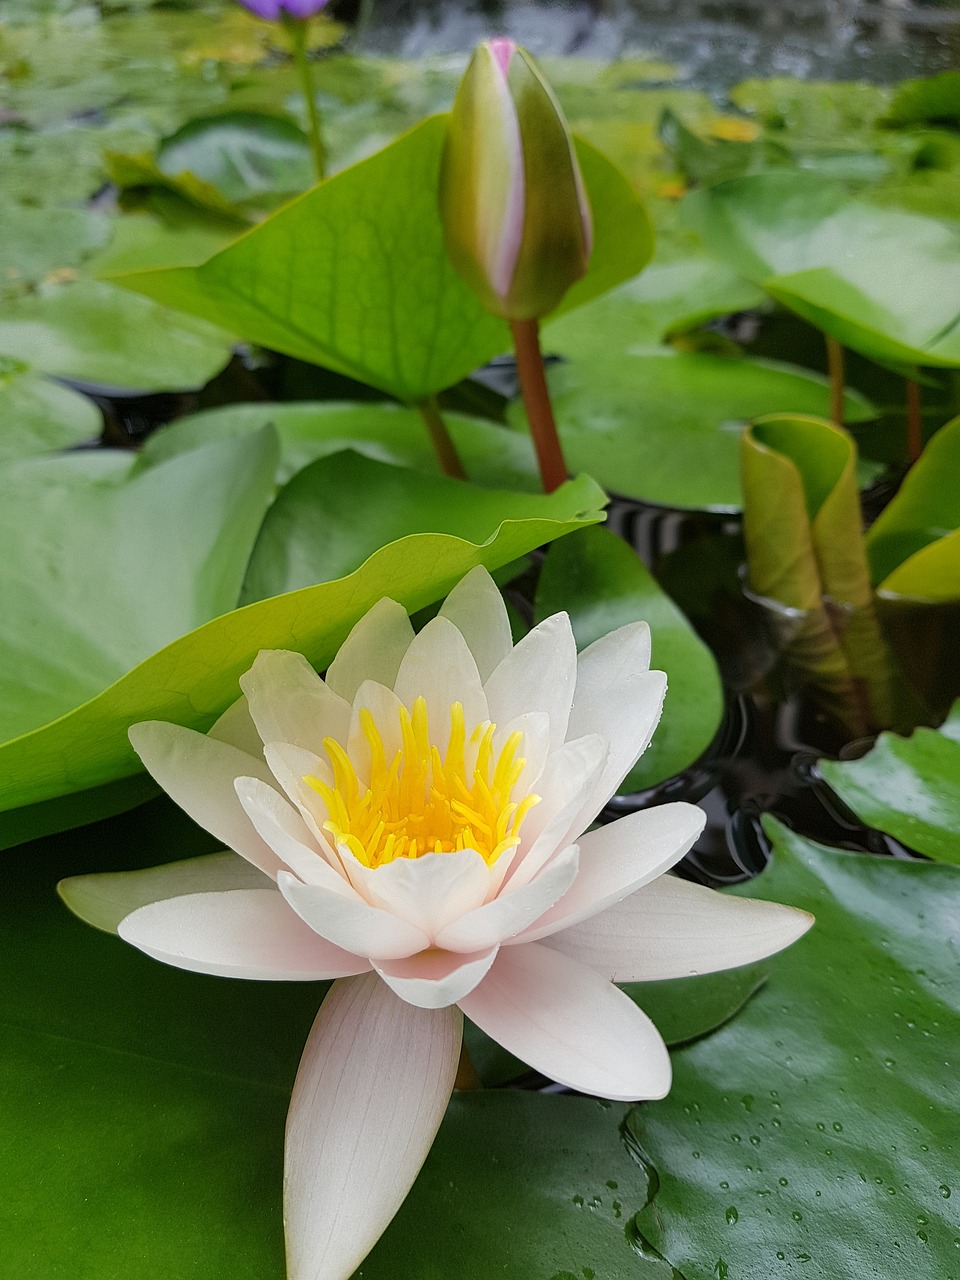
(385, 432)
(339, 510)
(232, 161)
(930, 100)
(34, 245)
(669, 297)
(37, 416)
(598, 579)
(195, 678)
(354, 275)
(908, 787)
(881, 280)
(665, 427)
(93, 332)
(815, 1134)
(107, 561)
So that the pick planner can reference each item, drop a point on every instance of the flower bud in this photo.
(279, 10)
(512, 200)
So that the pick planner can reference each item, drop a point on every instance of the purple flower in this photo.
(276, 10)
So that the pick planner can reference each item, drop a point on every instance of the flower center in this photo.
(419, 803)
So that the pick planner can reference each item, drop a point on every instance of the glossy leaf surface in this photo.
(37, 416)
(108, 561)
(665, 427)
(881, 280)
(375, 296)
(94, 332)
(908, 787)
(816, 1133)
(341, 509)
(599, 580)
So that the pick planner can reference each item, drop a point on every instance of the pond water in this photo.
(705, 44)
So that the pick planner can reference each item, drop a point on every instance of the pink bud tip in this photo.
(502, 50)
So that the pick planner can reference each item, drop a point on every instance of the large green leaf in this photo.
(142, 1109)
(668, 297)
(665, 427)
(340, 509)
(933, 99)
(386, 432)
(107, 561)
(37, 416)
(926, 509)
(883, 281)
(31, 246)
(94, 332)
(525, 1186)
(195, 678)
(354, 275)
(908, 787)
(602, 584)
(816, 1134)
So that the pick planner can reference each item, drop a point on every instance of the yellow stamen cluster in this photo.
(419, 803)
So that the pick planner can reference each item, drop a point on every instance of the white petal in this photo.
(435, 979)
(290, 703)
(511, 911)
(236, 728)
(372, 651)
(428, 892)
(373, 1086)
(618, 655)
(198, 773)
(288, 835)
(629, 710)
(244, 933)
(350, 923)
(384, 706)
(615, 860)
(568, 776)
(538, 675)
(570, 1023)
(673, 929)
(439, 667)
(103, 900)
(289, 765)
(475, 607)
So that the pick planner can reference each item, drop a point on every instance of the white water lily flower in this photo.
(418, 821)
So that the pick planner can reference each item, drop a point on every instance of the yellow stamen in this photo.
(421, 803)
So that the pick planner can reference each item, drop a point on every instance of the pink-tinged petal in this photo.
(514, 910)
(503, 50)
(429, 891)
(435, 979)
(569, 774)
(570, 1023)
(236, 728)
(475, 607)
(104, 900)
(350, 923)
(374, 1082)
(373, 650)
(290, 703)
(673, 929)
(619, 858)
(538, 675)
(630, 710)
(440, 668)
(198, 773)
(244, 933)
(286, 832)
